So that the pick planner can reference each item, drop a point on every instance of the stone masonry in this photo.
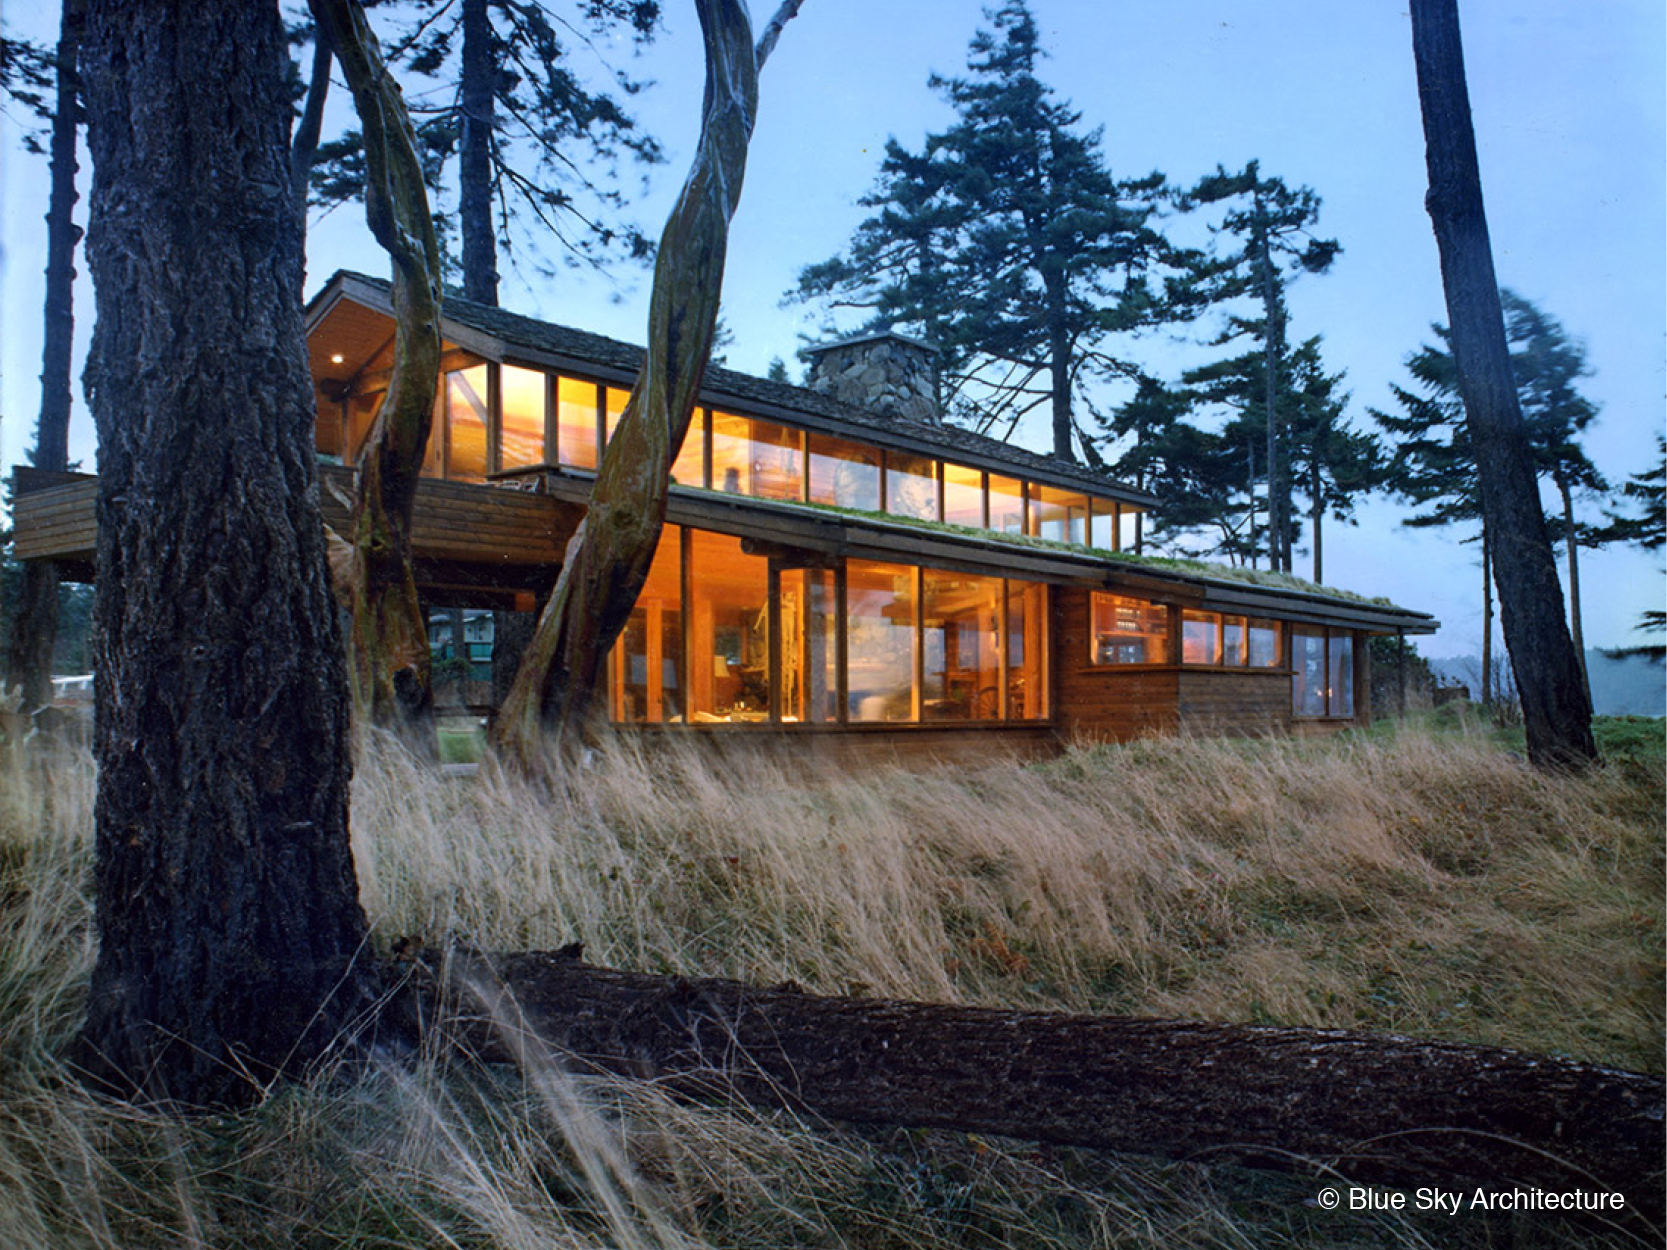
(888, 372)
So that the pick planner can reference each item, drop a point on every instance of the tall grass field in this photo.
(1421, 881)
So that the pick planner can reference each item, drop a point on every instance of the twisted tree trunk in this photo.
(608, 557)
(388, 652)
(1556, 711)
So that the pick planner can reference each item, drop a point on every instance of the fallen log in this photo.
(1368, 1107)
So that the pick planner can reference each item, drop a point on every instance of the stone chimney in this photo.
(884, 372)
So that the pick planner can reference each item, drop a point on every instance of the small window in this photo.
(1128, 631)
(1264, 644)
(1200, 638)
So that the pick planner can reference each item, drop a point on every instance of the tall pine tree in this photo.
(1007, 243)
(1435, 466)
(1268, 232)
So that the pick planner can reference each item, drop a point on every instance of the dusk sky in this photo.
(1569, 110)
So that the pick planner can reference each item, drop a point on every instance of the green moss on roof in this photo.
(1196, 568)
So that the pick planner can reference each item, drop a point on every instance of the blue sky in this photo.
(1568, 101)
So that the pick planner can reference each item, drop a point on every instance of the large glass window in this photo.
(963, 496)
(1104, 524)
(1058, 514)
(880, 641)
(466, 422)
(729, 638)
(846, 475)
(911, 486)
(522, 441)
(1007, 505)
(757, 458)
(689, 469)
(1308, 671)
(1127, 631)
(1027, 651)
(614, 401)
(961, 646)
(807, 612)
(576, 423)
(1322, 672)
(1339, 674)
(647, 661)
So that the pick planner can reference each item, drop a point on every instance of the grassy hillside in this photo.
(1423, 882)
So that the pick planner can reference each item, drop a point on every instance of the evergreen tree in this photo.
(1268, 228)
(516, 117)
(1645, 527)
(1436, 468)
(1547, 363)
(1332, 463)
(1008, 244)
(1433, 467)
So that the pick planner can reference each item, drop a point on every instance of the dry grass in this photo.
(1426, 885)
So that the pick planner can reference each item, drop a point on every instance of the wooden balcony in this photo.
(479, 541)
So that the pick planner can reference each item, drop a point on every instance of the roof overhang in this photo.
(774, 527)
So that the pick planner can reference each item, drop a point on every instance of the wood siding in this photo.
(1120, 703)
(455, 522)
(57, 522)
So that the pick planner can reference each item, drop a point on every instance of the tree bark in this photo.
(1374, 1107)
(474, 207)
(388, 652)
(608, 557)
(1318, 518)
(34, 633)
(1487, 620)
(228, 920)
(1273, 334)
(1571, 539)
(1556, 712)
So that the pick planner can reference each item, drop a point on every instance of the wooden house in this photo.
(838, 566)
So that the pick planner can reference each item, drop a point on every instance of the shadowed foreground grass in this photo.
(1424, 883)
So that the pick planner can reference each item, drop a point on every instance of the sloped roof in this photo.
(612, 359)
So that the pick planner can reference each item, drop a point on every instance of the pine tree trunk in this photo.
(1317, 518)
(1571, 538)
(228, 919)
(1279, 552)
(388, 653)
(1487, 620)
(1556, 712)
(1059, 367)
(474, 207)
(34, 633)
(607, 559)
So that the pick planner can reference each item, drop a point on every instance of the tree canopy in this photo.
(1006, 242)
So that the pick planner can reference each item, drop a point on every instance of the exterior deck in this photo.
(476, 545)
